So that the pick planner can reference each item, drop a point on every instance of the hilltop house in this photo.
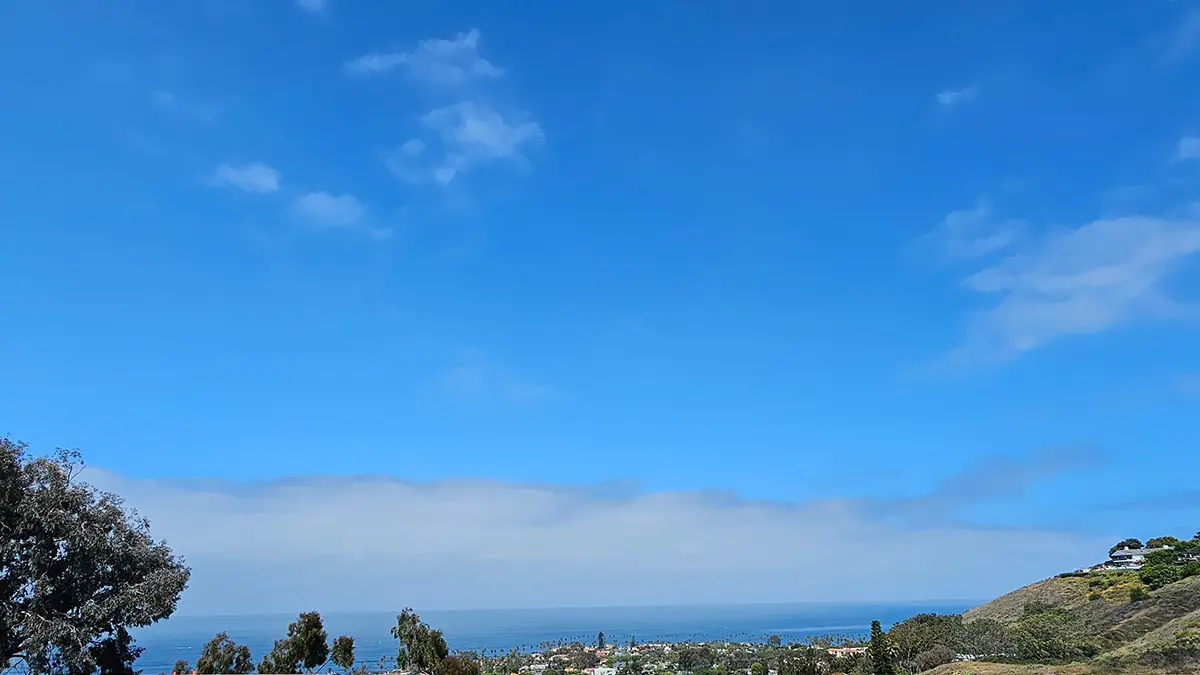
(1130, 558)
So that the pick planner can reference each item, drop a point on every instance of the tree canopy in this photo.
(1125, 543)
(420, 646)
(223, 656)
(881, 655)
(342, 654)
(79, 568)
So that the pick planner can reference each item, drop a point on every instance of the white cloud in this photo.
(1189, 147)
(1079, 281)
(366, 543)
(311, 5)
(471, 134)
(254, 177)
(478, 377)
(441, 62)
(322, 209)
(951, 97)
(971, 233)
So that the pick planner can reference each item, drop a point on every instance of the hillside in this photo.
(1075, 593)
(1127, 631)
(966, 668)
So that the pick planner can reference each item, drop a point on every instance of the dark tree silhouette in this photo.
(77, 569)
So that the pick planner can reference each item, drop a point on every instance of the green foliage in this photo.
(985, 637)
(757, 668)
(1126, 543)
(1138, 594)
(923, 632)
(1094, 596)
(76, 568)
(223, 656)
(181, 668)
(774, 641)
(281, 660)
(694, 657)
(420, 647)
(1036, 607)
(1163, 557)
(342, 654)
(1181, 652)
(308, 641)
(582, 660)
(114, 655)
(804, 661)
(305, 647)
(630, 666)
(1159, 542)
(600, 640)
(881, 655)
(1052, 635)
(1191, 569)
(456, 665)
(1157, 575)
(931, 658)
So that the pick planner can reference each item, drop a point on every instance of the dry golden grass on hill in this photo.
(1095, 593)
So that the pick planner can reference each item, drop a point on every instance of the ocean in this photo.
(182, 637)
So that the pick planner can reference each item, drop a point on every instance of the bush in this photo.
(1093, 596)
(1051, 636)
(1159, 575)
(1191, 569)
(1138, 594)
(1183, 651)
(932, 658)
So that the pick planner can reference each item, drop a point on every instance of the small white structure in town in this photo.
(1130, 558)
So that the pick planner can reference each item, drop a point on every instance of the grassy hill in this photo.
(1130, 624)
(1093, 593)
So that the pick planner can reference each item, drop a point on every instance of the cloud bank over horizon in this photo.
(380, 543)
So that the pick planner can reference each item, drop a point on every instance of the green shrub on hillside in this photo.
(1191, 569)
(1159, 574)
(1181, 651)
(1051, 635)
(1138, 594)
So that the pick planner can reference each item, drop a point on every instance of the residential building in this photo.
(1130, 558)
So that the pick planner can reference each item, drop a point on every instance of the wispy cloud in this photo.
(470, 134)
(446, 63)
(1189, 148)
(1185, 38)
(385, 542)
(199, 111)
(1077, 281)
(970, 233)
(478, 377)
(314, 6)
(324, 210)
(254, 177)
(953, 97)
(1009, 476)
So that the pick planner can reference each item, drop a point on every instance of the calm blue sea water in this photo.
(182, 637)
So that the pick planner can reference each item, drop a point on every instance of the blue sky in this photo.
(928, 268)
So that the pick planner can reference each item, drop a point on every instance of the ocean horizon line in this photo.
(560, 608)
